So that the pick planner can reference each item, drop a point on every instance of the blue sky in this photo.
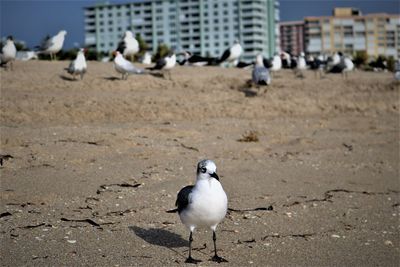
(31, 20)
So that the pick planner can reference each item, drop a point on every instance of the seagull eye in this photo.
(203, 170)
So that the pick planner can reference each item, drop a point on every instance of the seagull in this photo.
(146, 58)
(276, 63)
(128, 46)
(232, 54)
(165, 63)
(52, 45)
(8, 52)
(260, 75)
(203, 205)
(344, 66)
(301, 65)
(78, 66)
(124, 66)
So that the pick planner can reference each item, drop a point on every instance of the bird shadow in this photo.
(159, 237)
(112, 78)
(157, 74)
(66, 78)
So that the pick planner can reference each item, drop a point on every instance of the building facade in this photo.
(292, 37)
(204, 27)
(349, 31)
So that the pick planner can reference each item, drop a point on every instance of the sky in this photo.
(32, 20)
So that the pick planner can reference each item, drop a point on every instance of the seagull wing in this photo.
(183, 198)
(46, 43)
(159, 64)
(121, 47)
(225, 56)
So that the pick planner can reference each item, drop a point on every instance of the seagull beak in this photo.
(215, 175)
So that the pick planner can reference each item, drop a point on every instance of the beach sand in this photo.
(96, 163)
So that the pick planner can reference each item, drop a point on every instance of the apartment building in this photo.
(205, 27)
(292, 37)
(350, 31)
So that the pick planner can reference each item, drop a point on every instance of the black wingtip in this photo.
(172, 211)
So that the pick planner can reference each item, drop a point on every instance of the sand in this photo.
(96, 163)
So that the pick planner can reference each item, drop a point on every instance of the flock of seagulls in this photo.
(128, 47)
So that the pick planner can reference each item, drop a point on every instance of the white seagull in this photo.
(301, 65)
(8, 52)
(124, 66)
(260, 75)
(232, 54)
(78, 66)
(165, 63)
(203, 205)
(128, 46)
(52, 45)
(146, 58)
(276, 63)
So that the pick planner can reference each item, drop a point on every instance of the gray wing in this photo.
(71, 67)
(133, 70)
(46, 43)
(182, 200)
(260, 75)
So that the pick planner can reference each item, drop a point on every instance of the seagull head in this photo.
(63, 33)
(259, 60)
(206, 169)
(10, 38)
(128, 34)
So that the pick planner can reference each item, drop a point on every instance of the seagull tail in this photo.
(172, 211)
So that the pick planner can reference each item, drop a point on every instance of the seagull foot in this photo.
(191, 260)
(218, 259)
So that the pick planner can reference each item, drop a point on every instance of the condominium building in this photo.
(292, 37)
(204, 27)
(350, 31)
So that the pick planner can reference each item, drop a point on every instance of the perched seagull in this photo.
(232, 54)
(124, 66)
(344, 66)
(146, 58)
(165, 63)
(286, 62)
(276, 63)
(128, 46)
(78, 66)
(260, 75)
(203, 205)
(301, 65)
(8, 52)
(52, 45)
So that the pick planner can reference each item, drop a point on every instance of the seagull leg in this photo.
(190, 259)
(216, 258)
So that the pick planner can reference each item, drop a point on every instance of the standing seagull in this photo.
(128, 46)
(8, 52)
(232, 54)
(52, 45)
(78, 66)
(124, 66)
(203, 205)
(165, 63)
(260, 75)
(301, 65)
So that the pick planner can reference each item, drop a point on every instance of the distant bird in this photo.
(196, 60)
(8, 52)
(260, 75)
(286, 60)
(166, 63)
(344, 66)
(78, 66)
(203, 205)
(146, 58)
(317, 65)
(124, 66)
(301, 65)
(232, 54)
(128, 46)
(52, 45)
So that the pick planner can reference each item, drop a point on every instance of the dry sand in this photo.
(96, 163)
